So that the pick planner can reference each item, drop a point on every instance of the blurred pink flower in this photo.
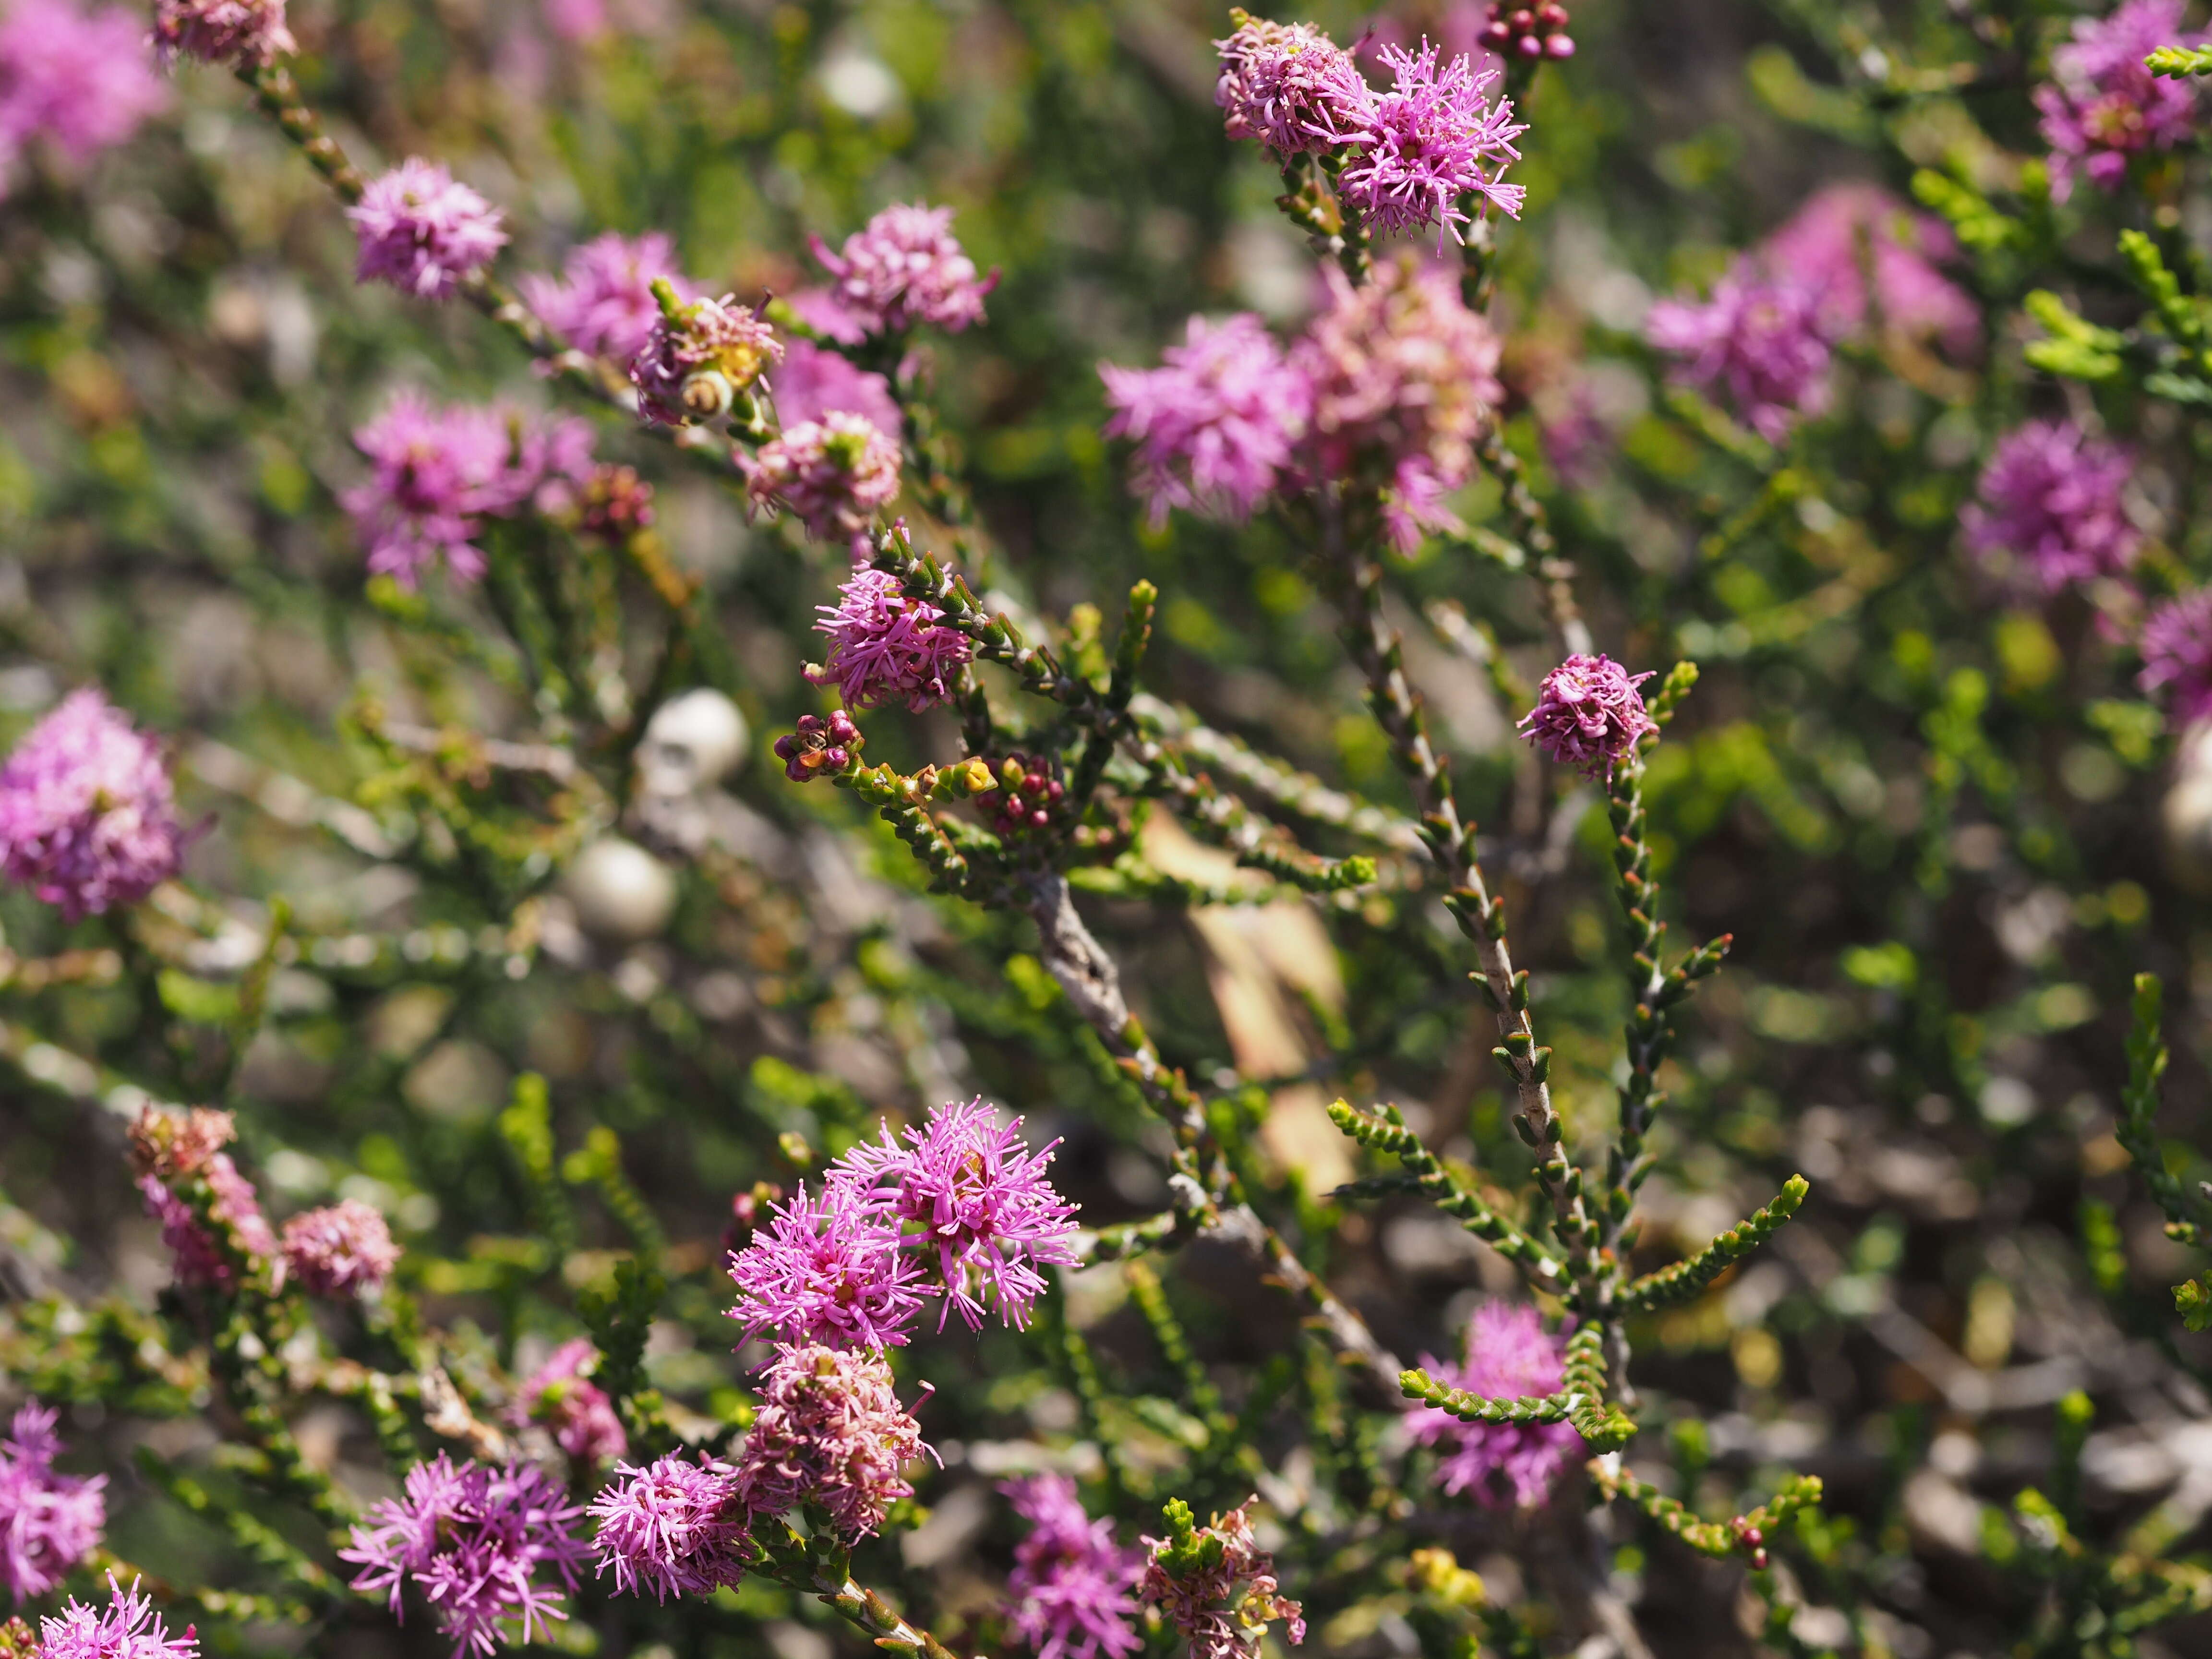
(2050, 499)
(88, 816)
(48, 1522)
(2102, 105)
(77, 78)
(905, 267)
(1508, 1356)
(423, 231)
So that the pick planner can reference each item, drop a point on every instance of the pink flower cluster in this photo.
(1509, 1356)
(2102, 106)
(821, 746)
(88, 818)
(886, 647)
(1223, 1600)
(1766, 334)
(423, 231)
(1071, 1592)
(603, 301)
(482, 1544)
(1426, 152)
(48, 1522)
(559, 1395)
(2177, 655)
(438, 473)
(1391, 382)
(905, 267)
(2048, 502)
(1216, 424)
(76, 78)
(126, 1628)
(339, 1251)
(830, 1435)
(241, 33)
(832, 475)
(1589, 714)
(183, 1150)
(962, 1209)
(674, 1526)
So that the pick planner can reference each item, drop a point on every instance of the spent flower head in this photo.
(48, 1522)
(1508, 1356)
(1589, 714)
(1289, 86)
(1071, 1593)
(830, 1434)
(905, 267)
(1216, 1585)
(2050, 502)
(172, 1145)
(88, 818)
(1216, 424)
(988, 1218)
(484, 1546)
(702, 358)
(674, 1528)
(423, 231)
(1434, 147)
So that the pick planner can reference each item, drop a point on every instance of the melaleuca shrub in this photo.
(1288, 555)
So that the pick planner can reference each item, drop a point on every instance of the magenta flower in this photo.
(1071, 1593)
(423, 231)
(2102, 105)
(827, 1270)
(127, 1628)
(1831, 244)
(831, 476)
(1508, 1356)
(234, 1208)
(886, 647)
(1223, 1606)
(820, 746)
(339, 1251)
(48, 1522)
(1434, 141)
(815, 383)
(1760, 340)
(482, 1544)
(904, 267)
(1215, 423)
(1289, 86)
(701, 357)
(1403, 377)
(438, 472)
(240, 33)
(77, 79)
(603, 300)
(2050, 501)
(88, 818)
(2177, 655)
(830, 1434)
(674, 1528)
(1589, 714)
(559, 1397)
(988, 1218)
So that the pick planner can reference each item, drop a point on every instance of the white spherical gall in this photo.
(695, 739)
(2185, 815)
(620, 890)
